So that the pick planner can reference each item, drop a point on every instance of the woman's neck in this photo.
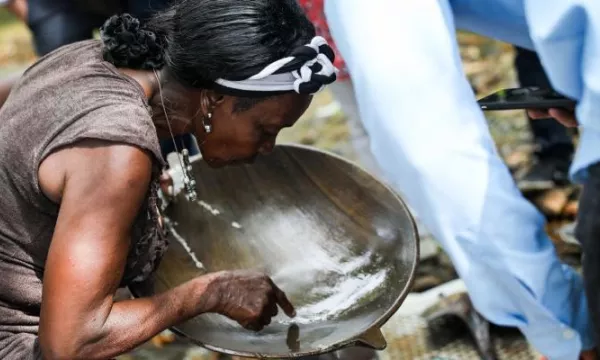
(167, 123)
(145, 78)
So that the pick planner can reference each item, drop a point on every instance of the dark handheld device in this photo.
(526, 98)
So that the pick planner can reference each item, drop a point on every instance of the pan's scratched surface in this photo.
(340, 244)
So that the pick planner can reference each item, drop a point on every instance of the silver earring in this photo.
(189, 182)
(207, 126)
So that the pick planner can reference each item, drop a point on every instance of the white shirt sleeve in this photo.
(432, 142)
(566, 34)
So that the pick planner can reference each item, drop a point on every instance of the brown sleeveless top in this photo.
(67, 96)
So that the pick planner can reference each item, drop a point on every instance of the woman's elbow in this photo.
(57, 347)
(58, 353)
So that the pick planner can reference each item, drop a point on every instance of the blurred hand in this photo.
(19, 8)
(248, 297)
(585, 355)
(565, 117)
(589, 355)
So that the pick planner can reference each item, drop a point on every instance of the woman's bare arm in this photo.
(100, 188)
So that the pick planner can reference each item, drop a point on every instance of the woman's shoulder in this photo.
(74, 94)
(78, 69)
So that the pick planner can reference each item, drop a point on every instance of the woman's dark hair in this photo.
(200, 41)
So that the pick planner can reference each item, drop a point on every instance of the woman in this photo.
(79, 150)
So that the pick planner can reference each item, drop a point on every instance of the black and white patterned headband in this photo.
(306, 71)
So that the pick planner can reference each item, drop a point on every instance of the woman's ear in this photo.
(210, 100)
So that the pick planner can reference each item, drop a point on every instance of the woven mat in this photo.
(409, 338)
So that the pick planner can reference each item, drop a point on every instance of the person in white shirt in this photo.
(432, 142)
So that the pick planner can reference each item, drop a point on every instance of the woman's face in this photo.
(241, 128)
(240, 133)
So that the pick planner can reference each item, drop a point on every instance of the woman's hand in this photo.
(248, 297)
(563, 116)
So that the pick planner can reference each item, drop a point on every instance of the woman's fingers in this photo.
(283, 301)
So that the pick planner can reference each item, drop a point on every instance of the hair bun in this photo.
(128, 44)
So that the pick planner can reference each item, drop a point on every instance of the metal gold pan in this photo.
(342, 245)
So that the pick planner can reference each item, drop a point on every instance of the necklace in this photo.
(189, 182)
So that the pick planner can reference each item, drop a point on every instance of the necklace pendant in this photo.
(189, 182)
